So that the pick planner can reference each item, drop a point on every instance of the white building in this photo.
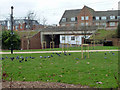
(72, 39)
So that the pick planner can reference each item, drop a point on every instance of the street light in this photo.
(12, 29)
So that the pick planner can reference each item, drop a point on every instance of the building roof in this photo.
(106, 13)
(70, 13)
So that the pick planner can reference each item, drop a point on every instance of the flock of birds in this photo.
(21, 58)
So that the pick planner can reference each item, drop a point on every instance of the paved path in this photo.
(56, 51)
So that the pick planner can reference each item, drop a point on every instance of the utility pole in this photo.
(12, 29)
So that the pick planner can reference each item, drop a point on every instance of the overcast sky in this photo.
(52, 10)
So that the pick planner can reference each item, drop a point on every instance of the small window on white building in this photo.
(82, 17)
(63, 19)
(73, 38)
(103, 17)
(63, 38)
(73, 19)
(97, 17)
(112, 17)
(112, 23)
(87, 17)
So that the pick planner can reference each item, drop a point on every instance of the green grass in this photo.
(65, 69)
(71, 48)
(102, 34)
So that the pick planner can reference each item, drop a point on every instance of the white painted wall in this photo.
(69, 41)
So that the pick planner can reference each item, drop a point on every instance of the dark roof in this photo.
(70, 13)
(106, 13)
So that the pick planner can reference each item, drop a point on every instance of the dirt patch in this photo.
(37, 84)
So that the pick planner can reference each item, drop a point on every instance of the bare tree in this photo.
(44, 21)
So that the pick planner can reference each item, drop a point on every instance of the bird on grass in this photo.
(51, 55)
(25, 59)
(6, 57)
(77, 58)
(69, 54)
(32, 57)
(2, 58)
(12, 58)
(105, 57)
(20, 61)
(45, 57)
(41, 57)
(113, 53)
(48, 56)
(105, 53)
(65, 54)
(85, 57)
(17, 57)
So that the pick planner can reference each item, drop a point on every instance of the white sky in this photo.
(52, 10)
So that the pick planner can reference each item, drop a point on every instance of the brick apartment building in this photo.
(21, 24)
(88, 16)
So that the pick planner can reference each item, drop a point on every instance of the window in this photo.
(112, 17)
(73, 19)
(87, 17)
(103, 17)
(112, 23)
(82, 24)
(63, 38)
(118, 17)
(63, 19)
(82, 17)
(97, 18)
(73, 38)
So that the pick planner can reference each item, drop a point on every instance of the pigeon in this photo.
(65, 54)
(77, 58)
(105, 53)
(32, 57)
(12, 58)
(105, 57)
(85, 57)
(2, 58)
(45, 57)
(113, 53)
(48, 56)
(69, 54)
(17, 57)
(51, 55)
(20, 61)
(6, 57)
(25, 59)
(41, 57)
(53, 52)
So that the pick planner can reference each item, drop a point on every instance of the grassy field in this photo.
(70, 48)
(102, 34)
(97, 71)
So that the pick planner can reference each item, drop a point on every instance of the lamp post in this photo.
(12, 29)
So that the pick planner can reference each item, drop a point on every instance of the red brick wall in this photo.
(34, 42)
(85, 12)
